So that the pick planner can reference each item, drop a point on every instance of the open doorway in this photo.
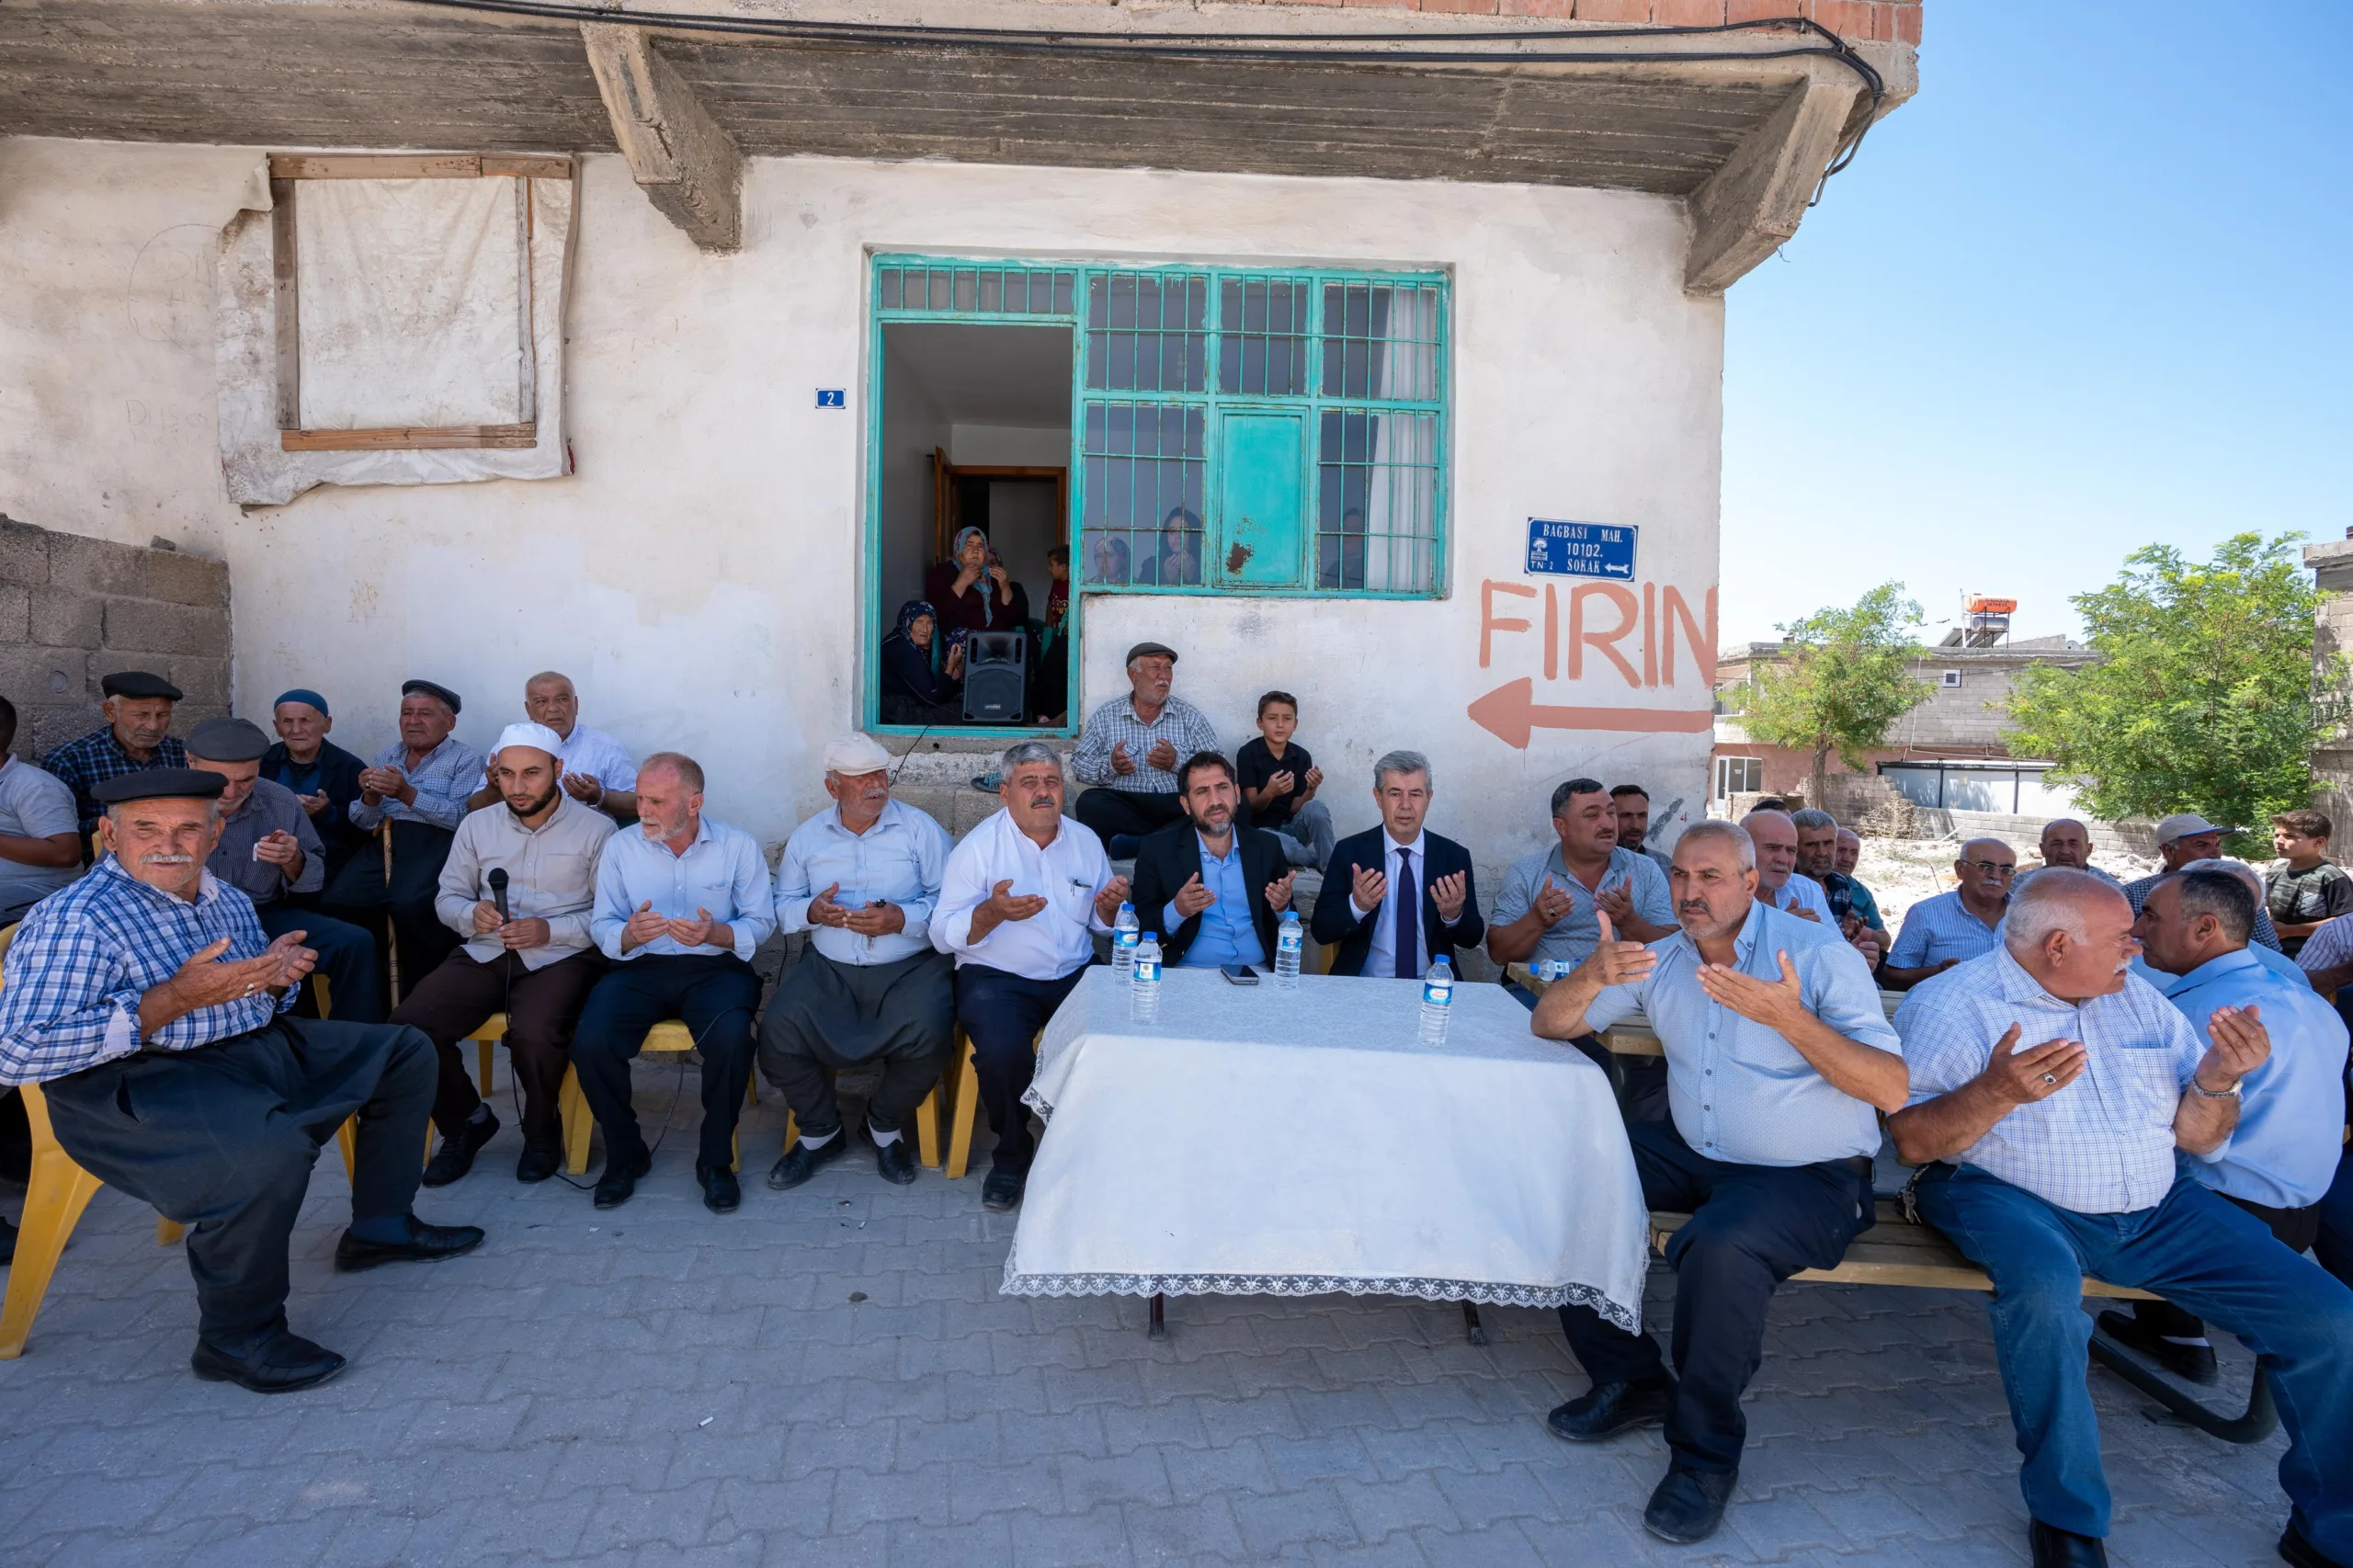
(975, 499)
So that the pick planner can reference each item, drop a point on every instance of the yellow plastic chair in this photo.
(669, 1038)
(346, 1137)
(931, 1123)
(966, 1106)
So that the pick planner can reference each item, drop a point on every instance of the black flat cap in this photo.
(1147, 649)
(138, 683)
(228, 740)
(430, 689)
(160, 784)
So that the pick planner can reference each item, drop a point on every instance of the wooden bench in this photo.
(1905, 1253)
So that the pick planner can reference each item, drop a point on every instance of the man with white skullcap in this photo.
(519, 887)
(862, 877)
(682, 904)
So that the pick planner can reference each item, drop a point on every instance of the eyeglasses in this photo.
(1991, 868)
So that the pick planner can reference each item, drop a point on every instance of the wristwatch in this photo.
(2203, 1093)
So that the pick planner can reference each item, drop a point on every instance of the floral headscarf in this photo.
(911, 612)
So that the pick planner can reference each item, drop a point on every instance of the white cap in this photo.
(537, 736)
(2188, 824)
(853, 755)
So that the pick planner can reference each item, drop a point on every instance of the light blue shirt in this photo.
(1227, 935)
(900, 860)
(720, 871)
(1938, 928)
(2272, 959)
(2291, 1115)
(1738, 1090)
(2104, 1145)
(1574, 936)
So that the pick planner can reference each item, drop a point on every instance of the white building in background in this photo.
(675, 362)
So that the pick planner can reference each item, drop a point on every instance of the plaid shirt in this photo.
(1180, 725)
(84, 957)
(2137, 894)
(2102, 1145)
(2330, 946)
(98, 756)
(449, 773)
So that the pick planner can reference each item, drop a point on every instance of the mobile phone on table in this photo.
(1239, 973)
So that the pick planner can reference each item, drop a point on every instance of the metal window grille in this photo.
(976, 290)
(1145, 466)
(1147, 332)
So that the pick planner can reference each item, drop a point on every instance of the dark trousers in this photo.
(714, 994)
(1110, 811)
(827, 1015)
(347, 959)
(1002, 1014)
(360, 895)
(540, 1005)
(2297, 1229)
(2333, 1245)
(223, 1139)
(1751, 1227)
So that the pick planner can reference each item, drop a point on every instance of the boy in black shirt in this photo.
(2305, 889)
(1280, 779)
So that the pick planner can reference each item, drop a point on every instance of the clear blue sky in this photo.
(2089, 290)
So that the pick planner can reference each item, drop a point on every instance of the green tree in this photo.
(2206, 696)
(1845, 682)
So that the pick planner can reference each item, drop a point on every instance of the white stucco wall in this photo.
(700, 571)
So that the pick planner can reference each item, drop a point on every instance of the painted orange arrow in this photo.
(1510, 711)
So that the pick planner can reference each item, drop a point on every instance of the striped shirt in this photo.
(85, 956)
(2102, 1145)
(2327, 948)
(84, 764)
(1116, 722)
(1938, 928)
(447, 775)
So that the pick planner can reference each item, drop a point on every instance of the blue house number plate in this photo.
(833, 397)
(1581, 550)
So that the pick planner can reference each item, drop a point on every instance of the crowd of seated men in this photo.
(2127, 1082)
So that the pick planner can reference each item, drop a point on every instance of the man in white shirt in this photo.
(40, 841)
(1020, 905)
(597, 769)
(682, 904)
(862, 877)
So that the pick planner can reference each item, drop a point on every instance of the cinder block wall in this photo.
(75, 609)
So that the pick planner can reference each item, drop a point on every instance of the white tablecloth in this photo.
(1254, 1141)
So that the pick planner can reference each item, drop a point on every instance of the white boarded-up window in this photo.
(414, 299)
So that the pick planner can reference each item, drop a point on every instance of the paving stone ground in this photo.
(829, 1377)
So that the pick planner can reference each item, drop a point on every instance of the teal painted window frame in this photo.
(1062, 289)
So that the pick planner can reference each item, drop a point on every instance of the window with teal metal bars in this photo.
(1256, 432)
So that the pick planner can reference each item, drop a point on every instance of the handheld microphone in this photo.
(498, 892)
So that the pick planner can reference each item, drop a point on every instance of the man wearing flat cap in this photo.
(414, 794)
(1129, 751)
(682, 905)
(323, 776)
(518, 889)
(145, 1001)
(269, 852)
(862, 877)
(137, 733)
(2183, 839)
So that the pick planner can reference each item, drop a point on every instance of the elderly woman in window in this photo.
(970, 592)
(911, 693)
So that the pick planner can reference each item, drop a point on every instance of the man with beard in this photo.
(682, 904)
(597, 770)
(862, 877)
(1020, 903)
(144, 999)
(1210, 892)
(527, 951)
(1778, 1053)
(137, 733)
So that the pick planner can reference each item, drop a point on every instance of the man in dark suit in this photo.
(1209, 891)
(1395, 898)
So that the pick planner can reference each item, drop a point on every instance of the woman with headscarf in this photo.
(911, 693)
(1176, 561)
(970, 592)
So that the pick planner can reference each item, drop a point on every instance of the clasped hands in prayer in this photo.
(1163, 756)
(645, 925)
(385, 783)
(1368, 885)
(1192, 898)
(877, 919)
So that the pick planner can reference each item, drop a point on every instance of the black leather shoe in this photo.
(719, 1192)
(2296, 1550)
(456, 1155)
(2191, 1363)
(2055, 1548)
(896, 1161)
(1002, 1191)
(426, 1243)
(543, 1157)
(1688, 1503)
(618, 1184)
(8, 1241)
(1608, 1409)
(280, 1364)
(800, 1162)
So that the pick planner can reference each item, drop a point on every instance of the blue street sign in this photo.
(1581, 550)
(833, 397)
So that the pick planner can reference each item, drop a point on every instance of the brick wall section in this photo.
(73, 610)
(1896, 21)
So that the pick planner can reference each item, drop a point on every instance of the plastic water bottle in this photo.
(1124, 932)
(1145, 995)
(1438, 1001)
(1288, 940)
